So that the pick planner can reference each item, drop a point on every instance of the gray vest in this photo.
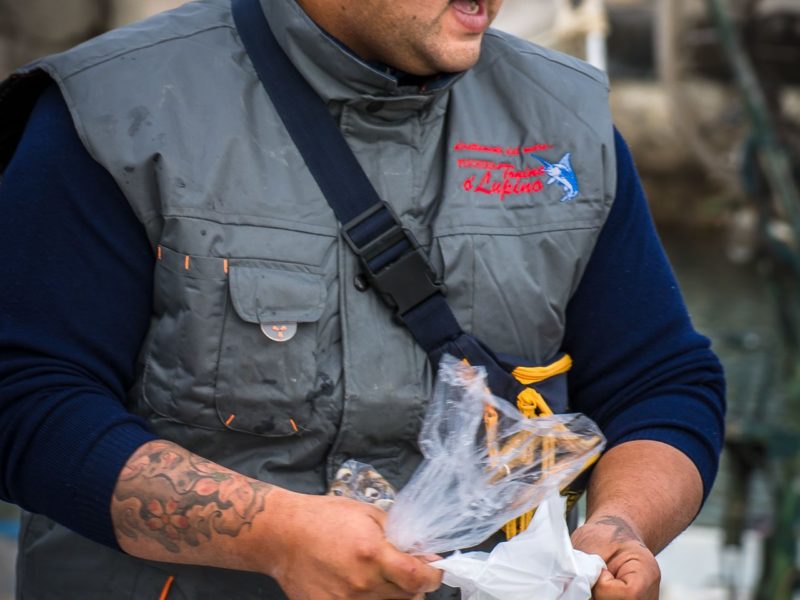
(505, 174)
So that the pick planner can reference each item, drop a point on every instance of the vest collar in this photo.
(334, 71)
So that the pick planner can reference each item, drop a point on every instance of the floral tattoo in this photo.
(176, 498)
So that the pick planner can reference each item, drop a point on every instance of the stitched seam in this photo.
(219, 353)
(104, 60)
(566, 226)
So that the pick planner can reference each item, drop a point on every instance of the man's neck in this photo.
(319, 11)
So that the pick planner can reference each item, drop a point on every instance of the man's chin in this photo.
(454, 59)
(458, 63)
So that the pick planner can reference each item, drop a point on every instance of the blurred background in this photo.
(707, 93)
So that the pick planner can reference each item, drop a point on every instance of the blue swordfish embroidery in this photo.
(562, 174)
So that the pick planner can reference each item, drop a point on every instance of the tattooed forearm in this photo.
(180, 500)
(623, 532)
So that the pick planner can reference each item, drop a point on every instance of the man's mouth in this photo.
(468, 7)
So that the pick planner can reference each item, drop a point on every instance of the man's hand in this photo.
(632, 572)
(173, 506)
(641, 495)
(335, 548)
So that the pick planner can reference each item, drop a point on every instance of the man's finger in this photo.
(409, 572)
(634, 587)
(608, 587)
(430, 557)
(605, 576)
(387, 589)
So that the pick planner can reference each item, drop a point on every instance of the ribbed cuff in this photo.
(691, 423)
(91, 483)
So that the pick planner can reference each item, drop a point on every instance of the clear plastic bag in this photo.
(484, 464)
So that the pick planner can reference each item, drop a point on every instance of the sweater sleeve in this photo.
(77, 286)
(641, 370)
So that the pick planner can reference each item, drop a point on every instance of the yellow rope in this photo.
(531, 404)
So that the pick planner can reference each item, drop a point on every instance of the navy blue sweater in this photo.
(75, 305)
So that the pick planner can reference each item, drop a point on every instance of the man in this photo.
(156, 206)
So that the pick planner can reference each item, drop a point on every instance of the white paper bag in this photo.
(538, 563)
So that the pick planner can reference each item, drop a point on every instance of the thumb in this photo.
(605, 577)
(409, 573)
(607, 587)
(430, 557)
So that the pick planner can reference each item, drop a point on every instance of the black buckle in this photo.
(405, 282)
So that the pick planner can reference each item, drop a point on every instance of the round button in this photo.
(374, 106)
(279, 332)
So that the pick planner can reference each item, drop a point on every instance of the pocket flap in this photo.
(263, 294)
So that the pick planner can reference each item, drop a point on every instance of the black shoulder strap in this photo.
(395, 265)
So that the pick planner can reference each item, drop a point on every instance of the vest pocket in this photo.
(233, 343)
(268, 364)
(181, 351)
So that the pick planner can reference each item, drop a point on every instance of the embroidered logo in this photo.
(563, 174)
(503, 173)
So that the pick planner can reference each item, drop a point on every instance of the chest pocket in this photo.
(233, 343)
(267, 364)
